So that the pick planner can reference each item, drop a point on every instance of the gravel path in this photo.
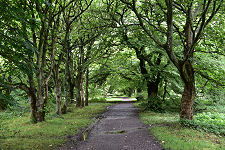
(120, 129)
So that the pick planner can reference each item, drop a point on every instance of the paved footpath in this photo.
(120, 129)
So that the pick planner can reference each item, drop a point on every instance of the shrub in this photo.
(97, 100)
(139, 97)
(5, 101)
(153, 104)
(207, 121)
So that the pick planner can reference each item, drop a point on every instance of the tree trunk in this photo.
(187, 75)
(86, 89)
(82, 90)
(40, 93)
(67, 80)
(78, 96)
(40, 100)
(33, 107)
(78, 87)
(31, 92)
(58, 97)
(71, 93)
(41, 63)
(67, 98)
(149, 88)
(186, 107)
(57, 88)
(153, 87)
(66, 104)
(66, 92)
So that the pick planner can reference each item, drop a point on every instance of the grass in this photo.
(180, 138)
(173, 136)
(18, 133)
(154, 118)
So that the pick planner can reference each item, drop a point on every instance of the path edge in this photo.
(82, 134)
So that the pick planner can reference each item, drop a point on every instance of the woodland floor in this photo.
(119, 129)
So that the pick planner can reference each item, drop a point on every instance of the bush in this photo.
(97, 100)
(6, 101)
(210, 122)
(153, 104)
(139, 97)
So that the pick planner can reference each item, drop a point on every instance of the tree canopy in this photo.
(170, 53)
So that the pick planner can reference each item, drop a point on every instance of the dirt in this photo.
(119, 129)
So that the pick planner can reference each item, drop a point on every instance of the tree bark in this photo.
(67, 80)
(71, 91)
(33, 107)
(58, 85)
(78, 96)
(32, 98)
(82, 90)
(67, 96)
(78, 88)
(67, 102)
(186, 107)
(187, 75)
(57, 89)
(86, 88)
(152, 89)
(40, 97)
(58, 97)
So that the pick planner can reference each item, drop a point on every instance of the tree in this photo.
(196, 15)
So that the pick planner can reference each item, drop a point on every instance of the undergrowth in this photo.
(209, 122)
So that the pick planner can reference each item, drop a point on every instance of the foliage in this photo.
(207, 121)
(6, 100)
(154, 104)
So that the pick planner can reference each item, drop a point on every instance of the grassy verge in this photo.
(173, 136)
(18, 133)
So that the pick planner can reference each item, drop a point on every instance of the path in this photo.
(120, 129)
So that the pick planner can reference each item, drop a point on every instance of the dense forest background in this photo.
(170, 55)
